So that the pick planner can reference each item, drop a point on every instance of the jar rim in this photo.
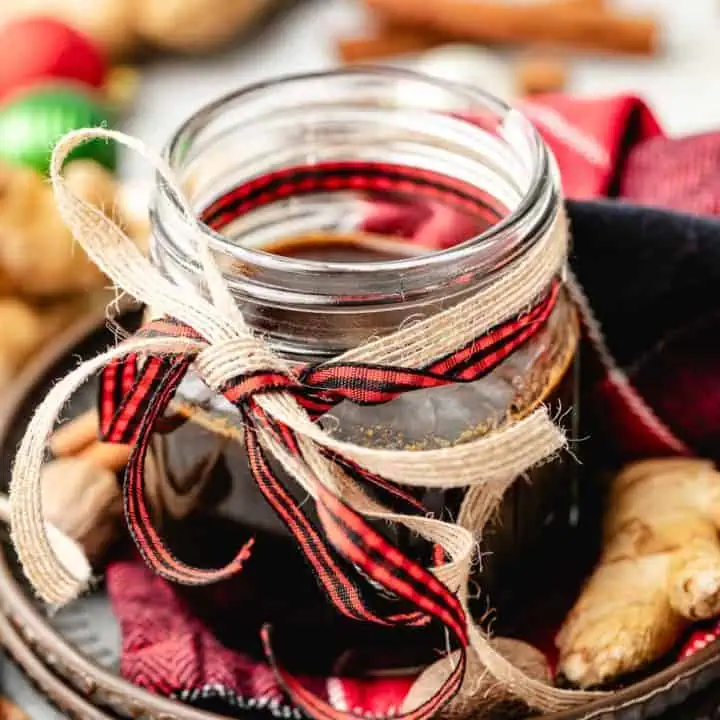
(484, 242)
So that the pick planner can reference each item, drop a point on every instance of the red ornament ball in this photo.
(38, 49)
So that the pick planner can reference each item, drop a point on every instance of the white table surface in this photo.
(682, 85)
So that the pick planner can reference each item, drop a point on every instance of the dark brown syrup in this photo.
(350, 247)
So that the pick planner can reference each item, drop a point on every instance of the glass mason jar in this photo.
(268, 166)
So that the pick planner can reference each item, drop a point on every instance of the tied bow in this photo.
(279, 406)
(134, 397)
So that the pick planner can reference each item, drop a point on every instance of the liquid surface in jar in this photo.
(350, 247)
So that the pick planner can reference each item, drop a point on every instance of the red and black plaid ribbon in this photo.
(350, 558)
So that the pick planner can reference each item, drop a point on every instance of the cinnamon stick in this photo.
(75, 435)
(112, 456)
(386, 42)
(578, 25)
(79, 438)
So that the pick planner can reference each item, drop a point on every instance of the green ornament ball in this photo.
(33, 122)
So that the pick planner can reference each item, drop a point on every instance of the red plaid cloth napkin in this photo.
(603, 147)
(592, 138)
(591, 141)
(679, 173)
(169, 650)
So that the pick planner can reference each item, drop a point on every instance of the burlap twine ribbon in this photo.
(487, 465)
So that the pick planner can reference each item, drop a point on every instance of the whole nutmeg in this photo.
(69, 552)
(193, 25)
(84, 502)
(480, 694)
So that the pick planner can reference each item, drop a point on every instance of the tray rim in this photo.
(62, 696)
(673, 685)
(89, 679)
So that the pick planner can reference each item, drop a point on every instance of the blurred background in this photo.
(145, 67)
(679, 78)
(186, 52)
(191, 51)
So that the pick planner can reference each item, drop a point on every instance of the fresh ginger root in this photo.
(194, 25)
(122, 28)
(659, 571)
(38, 257)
